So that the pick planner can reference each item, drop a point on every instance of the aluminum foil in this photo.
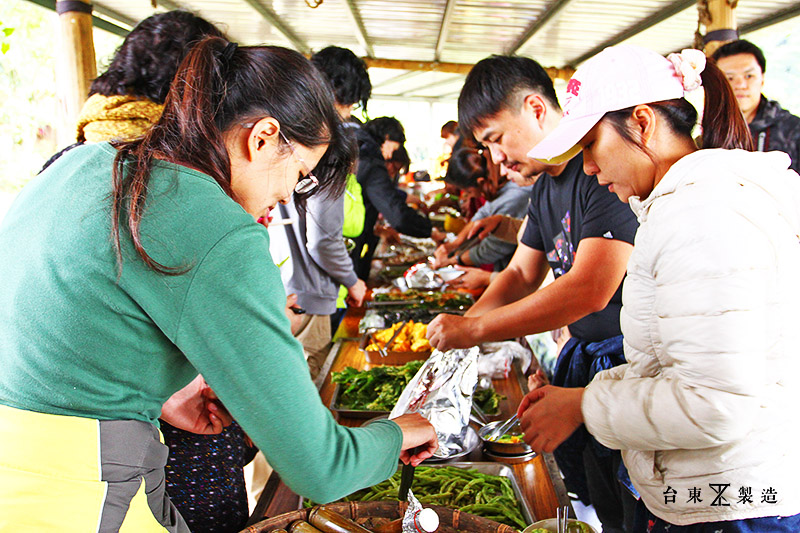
(442, 392)
(422, 276)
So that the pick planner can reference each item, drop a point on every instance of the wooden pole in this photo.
(720, 21)
(76, 62)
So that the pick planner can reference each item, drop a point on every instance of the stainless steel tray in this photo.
(352, 413)
(496, 469)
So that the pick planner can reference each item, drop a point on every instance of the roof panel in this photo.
(410, 29)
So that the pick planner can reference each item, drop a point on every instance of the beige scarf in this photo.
(105, 118)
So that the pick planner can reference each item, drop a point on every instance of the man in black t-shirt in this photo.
(575, 227)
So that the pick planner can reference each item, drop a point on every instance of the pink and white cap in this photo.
(616, 78)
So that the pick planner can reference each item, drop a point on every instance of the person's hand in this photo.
(438, 235)
(483, 227)
(417, 433)
(390, 235)
(446, 332)
(195, 408)
(473, 278)
(356, 294)
(440, 258)
(294, 319)
(548, 415)
(537, 379)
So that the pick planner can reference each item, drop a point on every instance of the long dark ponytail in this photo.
(723, 124)
(219, 86)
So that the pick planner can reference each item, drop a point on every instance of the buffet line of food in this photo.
(392, 371)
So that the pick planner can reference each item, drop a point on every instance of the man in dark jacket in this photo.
(350, 81)
(772, 127)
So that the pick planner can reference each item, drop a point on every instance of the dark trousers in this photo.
(647, 522)
(613, 503)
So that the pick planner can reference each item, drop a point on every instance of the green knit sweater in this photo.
(77, 339)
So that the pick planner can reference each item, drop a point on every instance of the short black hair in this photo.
(400, 156)
(450, 128)
(741, 47)
(147, 60)
(465, 166)
(386, 128)
(347, 74)
(493, 84)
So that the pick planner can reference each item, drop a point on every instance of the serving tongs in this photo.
(388, 345)
(383, 349)
(501, 429)
(464, 246)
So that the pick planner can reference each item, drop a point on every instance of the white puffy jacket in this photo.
(711, 318)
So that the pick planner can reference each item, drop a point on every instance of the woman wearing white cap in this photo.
(705, 411)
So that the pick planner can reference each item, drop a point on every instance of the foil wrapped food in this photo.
(442, 392)
(420, 276)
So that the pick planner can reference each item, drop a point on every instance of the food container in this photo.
(352, 413)
(497, 469)
(551, 525)
(393, 358)
(501, 448)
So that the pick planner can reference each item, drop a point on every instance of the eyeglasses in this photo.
(304, 185)
(310, 182)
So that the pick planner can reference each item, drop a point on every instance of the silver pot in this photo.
(503, 448)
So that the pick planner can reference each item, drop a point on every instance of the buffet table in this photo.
(538, 477)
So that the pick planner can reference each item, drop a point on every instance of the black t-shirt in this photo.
(565, 209)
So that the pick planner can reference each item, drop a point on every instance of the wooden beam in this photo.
(361, 31)
(444, 29)
(453, 68)
(271, 17)
(76, 61)
(644, 24)
(773, 18)
(114, 16)
(551, 11)
(433, 66)
(96, 21)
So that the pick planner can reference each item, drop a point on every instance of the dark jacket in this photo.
(774, 128)
(577, 364)
(381, 196)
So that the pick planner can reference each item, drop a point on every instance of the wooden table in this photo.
(538, 478)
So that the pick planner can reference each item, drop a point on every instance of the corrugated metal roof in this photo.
(557, 33)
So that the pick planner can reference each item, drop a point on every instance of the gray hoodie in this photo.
(318, 258)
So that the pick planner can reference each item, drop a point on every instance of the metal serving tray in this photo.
(496, 469)
(352, 413)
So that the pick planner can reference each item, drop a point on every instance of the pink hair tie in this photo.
(688, 65)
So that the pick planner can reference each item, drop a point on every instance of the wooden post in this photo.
(76, 62)
(720, 23)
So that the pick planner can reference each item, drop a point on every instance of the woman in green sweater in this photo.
(129, 268)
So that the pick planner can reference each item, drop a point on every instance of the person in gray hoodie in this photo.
(318, 265)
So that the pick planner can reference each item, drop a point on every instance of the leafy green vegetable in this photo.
(376, 389)
(468, 490)
(488, 400)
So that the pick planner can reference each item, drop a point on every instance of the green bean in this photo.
(458, 488)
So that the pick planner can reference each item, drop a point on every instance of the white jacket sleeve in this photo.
(704, 271)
